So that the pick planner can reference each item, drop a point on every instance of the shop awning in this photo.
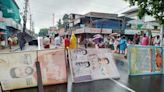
(1, 33)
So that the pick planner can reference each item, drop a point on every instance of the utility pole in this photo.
(31, 23)
(53, 15)
(25, 15)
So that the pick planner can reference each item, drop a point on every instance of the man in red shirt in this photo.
(66, 42)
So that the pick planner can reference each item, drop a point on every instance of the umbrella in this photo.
(1, 33)
(98, 36)
(113, 34)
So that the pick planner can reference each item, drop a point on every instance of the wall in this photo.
(112, 24)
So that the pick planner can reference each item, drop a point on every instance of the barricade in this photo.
(145, 60)
(55, 66)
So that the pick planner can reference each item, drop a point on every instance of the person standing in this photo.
(136, 39)
(57, 41)
(145, 40)
(111, 42)
(46, 42)
(122, 45)
(115, 44)
(157, 41)
(10, 42)
(66, 42)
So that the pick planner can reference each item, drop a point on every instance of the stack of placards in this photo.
(92, 64)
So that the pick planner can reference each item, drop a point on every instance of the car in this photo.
(33, 42)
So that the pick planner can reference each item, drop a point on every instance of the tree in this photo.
(43, 32)
(60, 25)
(154, 8)
(65, 21)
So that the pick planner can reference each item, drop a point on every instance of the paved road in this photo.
(154, 83)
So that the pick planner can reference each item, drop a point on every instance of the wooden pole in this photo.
(69, 77)
(39, 76)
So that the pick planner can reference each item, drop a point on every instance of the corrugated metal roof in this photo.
(101, 15)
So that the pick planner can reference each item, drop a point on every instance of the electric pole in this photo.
(31, 23)
(25, 15)
(53, 15)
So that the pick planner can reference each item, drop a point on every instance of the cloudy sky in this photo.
(42, 10)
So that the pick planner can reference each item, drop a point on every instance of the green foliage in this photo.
(65, 21)
(43, 32)
(153, 8)
(65, 18)
(59, 24)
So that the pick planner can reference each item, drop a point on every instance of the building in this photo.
(97, 21)
(9, 18)
(137, 25)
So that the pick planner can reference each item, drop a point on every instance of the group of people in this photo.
(118, 44)
(145, 40)
(13, 40)
(57, 41)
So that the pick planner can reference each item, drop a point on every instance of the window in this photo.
(155, 27)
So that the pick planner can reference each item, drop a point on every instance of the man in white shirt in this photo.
(57, 41)
(46, 42)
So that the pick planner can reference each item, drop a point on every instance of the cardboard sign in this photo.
(17, 70)
(53, 66)
(92, 64)
(20, 71)
(145, 60)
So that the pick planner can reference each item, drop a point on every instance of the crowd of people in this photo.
(119, 44)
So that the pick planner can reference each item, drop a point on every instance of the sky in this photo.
(42, 10)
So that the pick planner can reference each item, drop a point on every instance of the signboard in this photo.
(132, 32)
(145, 60)
(93, 30)
(92, 64)
(20, 71)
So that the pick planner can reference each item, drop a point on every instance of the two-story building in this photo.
(99, 21)
(137, 25)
